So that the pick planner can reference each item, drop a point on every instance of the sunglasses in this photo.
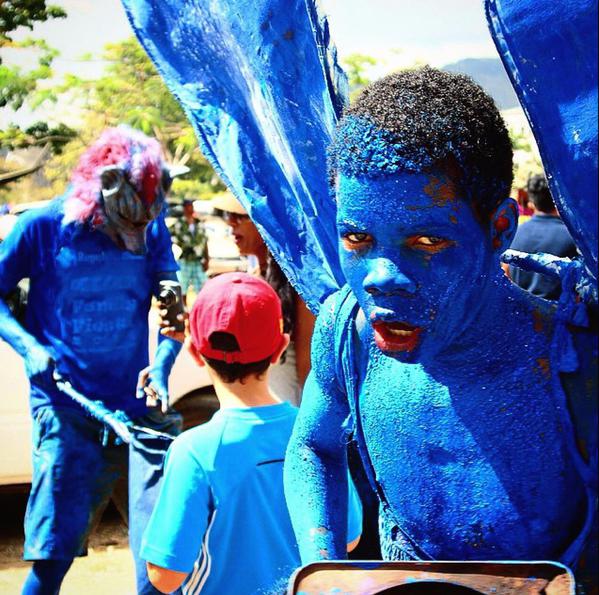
(233, 218)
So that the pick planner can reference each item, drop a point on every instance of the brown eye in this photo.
(431, 244)
(430, 240)
(355, 241)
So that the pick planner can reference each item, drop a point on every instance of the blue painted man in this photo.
(94, 258)
(446, 374)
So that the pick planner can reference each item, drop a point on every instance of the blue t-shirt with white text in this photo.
(88, 302)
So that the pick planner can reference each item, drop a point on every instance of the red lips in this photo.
(396, 336)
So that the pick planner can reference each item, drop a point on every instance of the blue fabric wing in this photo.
(262, 87)
(550, 51)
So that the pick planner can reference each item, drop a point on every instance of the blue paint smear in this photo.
(263, 90)
(550, 51)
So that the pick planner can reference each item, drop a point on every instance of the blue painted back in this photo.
(550, 51)
(261, 85)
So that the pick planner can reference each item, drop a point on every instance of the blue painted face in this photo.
(416, 258)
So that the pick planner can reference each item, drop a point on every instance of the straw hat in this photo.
(227, 202)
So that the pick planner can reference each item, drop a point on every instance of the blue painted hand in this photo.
(152, 385)
(39, 366)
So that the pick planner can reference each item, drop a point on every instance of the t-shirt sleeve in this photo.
(354, 513)
(173, 538)
(15, 256)
(160, 246)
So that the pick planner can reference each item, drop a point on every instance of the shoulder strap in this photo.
(395, 543)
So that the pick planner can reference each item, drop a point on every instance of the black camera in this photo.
(170, 299)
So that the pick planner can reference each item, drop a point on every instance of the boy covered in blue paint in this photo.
(471, 401)
(221, 524)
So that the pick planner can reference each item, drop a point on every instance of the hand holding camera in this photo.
(172, 313)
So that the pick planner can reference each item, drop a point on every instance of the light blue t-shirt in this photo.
(221, 515)
(88, 302)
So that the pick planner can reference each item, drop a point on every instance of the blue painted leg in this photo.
(45, 577)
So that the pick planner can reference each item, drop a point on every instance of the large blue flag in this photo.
(549, 49)
(261, 85)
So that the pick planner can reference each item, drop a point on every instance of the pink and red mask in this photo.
(120, 185)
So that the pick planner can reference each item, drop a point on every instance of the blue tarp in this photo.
(549, 49)
(261, 85)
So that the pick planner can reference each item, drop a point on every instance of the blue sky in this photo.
(397, 32)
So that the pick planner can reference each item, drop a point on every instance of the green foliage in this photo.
(193, 188)
(520, 141)
(24, 13)
(132, 92)
(40, 133)
(357, 67)
(526, 155)
(16, 85)
(129, 92)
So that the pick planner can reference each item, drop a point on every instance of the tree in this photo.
(130, 92)
(24, 13)
(40, 133)
(15, 84)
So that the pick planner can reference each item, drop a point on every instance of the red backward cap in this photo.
(245, 306)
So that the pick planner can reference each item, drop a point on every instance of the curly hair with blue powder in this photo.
(426, 119)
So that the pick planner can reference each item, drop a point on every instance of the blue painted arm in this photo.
(573, 274)
(166, 354)
(39, 363)
(316, 461)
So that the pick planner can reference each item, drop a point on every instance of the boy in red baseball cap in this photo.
(221, 523)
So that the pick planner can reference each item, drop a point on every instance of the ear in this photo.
(195, 354)
(504, 222)
(280, 350)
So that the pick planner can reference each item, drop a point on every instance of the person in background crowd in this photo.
(188, 233)
(287, 379)
(525, 211)
(94, 258)
(221, 524)
(544, 232)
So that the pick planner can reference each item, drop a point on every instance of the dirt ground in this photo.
(107, 569)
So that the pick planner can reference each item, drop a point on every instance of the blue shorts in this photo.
(74, 474)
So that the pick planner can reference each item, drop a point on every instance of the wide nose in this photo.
(385, 277)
